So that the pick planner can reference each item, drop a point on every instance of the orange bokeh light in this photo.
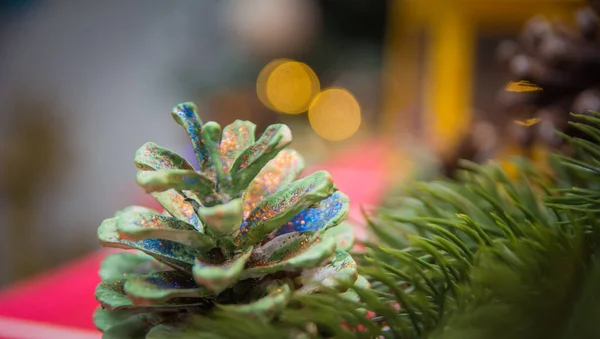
(335, 114)
(287, 86)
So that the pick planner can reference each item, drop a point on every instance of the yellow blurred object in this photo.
(528, 122)
(263, 77)
(538, 155)
(447, 108)
(287, 86)
(510, 168)
(334, 114)
(522, 86)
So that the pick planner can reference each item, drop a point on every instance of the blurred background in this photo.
(84, 83)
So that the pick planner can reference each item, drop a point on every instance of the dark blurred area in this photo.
(84, 83)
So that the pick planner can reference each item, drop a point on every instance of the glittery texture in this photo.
(149, 220)
(253, 158)
(276, 249)
(134, 209)
(171, 253)
(175, 204)
(186, 115)
(211, 135)
(160, 181)
(312, 256)
(292, 249)
(278, 173)
(162, 286)
(269, 137)
(326, 213)
(153, 157)
(135, 226)
(279, 207)
(236, 137)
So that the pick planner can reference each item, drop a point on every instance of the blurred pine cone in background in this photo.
(562, 59)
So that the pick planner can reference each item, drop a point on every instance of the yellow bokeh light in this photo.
(334, 114)
(287, 86)
(522, 86)
(528, 122)
(263, 77)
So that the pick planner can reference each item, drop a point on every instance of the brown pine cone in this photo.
(565, 62)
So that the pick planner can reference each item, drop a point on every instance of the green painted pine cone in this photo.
(240, 234)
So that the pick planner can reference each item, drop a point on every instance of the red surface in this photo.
(65, 296)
